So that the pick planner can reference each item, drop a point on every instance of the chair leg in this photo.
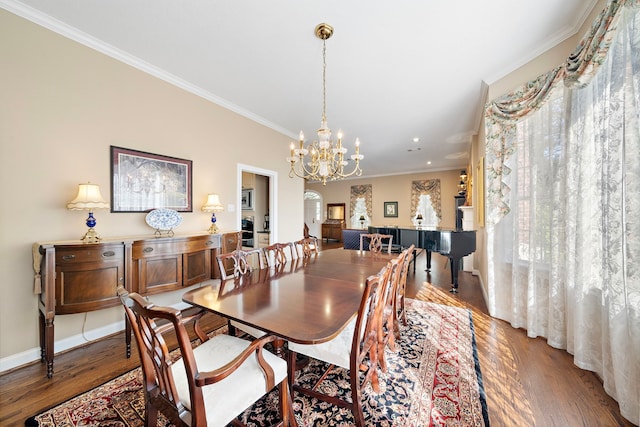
(151, 415)
(231, 329)
(286, 409)
(356, 398)
(291, 368)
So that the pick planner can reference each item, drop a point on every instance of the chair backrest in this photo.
(279, 253)
(376, 242)
(386, 331)
(160, 388)
(244, 261)
(364, 346)
(306, 247)
(401, 289)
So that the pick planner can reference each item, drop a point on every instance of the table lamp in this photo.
(213, 205)
(88, 199)
(419, 218)
(362, 219)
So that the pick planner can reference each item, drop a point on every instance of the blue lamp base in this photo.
(213, 229)
(91, 236)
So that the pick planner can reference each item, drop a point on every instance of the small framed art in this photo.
(391, 209)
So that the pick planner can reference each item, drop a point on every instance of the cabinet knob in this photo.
(108, 254)
(147, 249)
(209, 243)
(68, 257)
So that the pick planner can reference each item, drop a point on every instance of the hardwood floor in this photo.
(527, 383)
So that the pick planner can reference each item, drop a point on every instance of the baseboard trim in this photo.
(32, 355)
(78, 340)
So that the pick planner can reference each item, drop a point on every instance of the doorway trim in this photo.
(273, 196)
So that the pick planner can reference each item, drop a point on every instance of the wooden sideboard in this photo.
(78, 277)
(332, 230)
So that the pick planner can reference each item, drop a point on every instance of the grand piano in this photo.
(454, 244)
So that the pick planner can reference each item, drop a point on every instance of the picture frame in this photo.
(390, 209)
(141, 181)
(480, 196)
(247, 200)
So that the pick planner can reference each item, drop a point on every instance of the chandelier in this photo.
(323, 160)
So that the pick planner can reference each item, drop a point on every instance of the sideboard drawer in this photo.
(201, 244)
(86, 253)
(153, 248)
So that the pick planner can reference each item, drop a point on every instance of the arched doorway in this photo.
(313, 212)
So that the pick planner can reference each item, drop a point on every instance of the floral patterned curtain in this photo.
(429, 187)
(364, 193)
(563, 205)
(502, 113)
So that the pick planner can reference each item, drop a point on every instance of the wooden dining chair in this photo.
(400, 314)
(355, 349)
(306, 247)
(376, 242)
(210, 385)
(244, 261)
(279, 253)
(389, 332)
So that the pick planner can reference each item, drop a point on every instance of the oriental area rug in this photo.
(433, 379)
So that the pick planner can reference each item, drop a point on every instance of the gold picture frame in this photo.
(480, 197)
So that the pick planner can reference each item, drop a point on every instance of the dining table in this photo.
(306, 300)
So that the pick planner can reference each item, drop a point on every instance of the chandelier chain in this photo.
(324, 80)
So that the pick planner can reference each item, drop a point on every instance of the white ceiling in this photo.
(395, 69)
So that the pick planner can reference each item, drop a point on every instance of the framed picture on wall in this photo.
(391, 209)
(142, 181)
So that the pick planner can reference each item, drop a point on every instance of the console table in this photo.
(78, 277)
(332, 230)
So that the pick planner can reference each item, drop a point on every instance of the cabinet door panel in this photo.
(197, 267)
(87, 286)
(230, 242)
(159, 274)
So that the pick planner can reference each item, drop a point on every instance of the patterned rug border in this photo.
(416, 408)
(476, 359)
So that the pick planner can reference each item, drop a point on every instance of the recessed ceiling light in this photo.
(429, 162)
(416, 139)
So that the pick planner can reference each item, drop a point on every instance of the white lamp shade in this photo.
(213, 204)
(88, 198)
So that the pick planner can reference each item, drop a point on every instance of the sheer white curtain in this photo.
(429, 215)
(564, 262)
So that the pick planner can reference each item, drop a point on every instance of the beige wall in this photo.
(62, 106)
(396, 188)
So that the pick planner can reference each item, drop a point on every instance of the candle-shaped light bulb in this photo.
(301, 136)
(339, 134)
(292, 146)
(357, 145)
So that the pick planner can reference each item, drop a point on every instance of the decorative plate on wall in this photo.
(163, 219)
